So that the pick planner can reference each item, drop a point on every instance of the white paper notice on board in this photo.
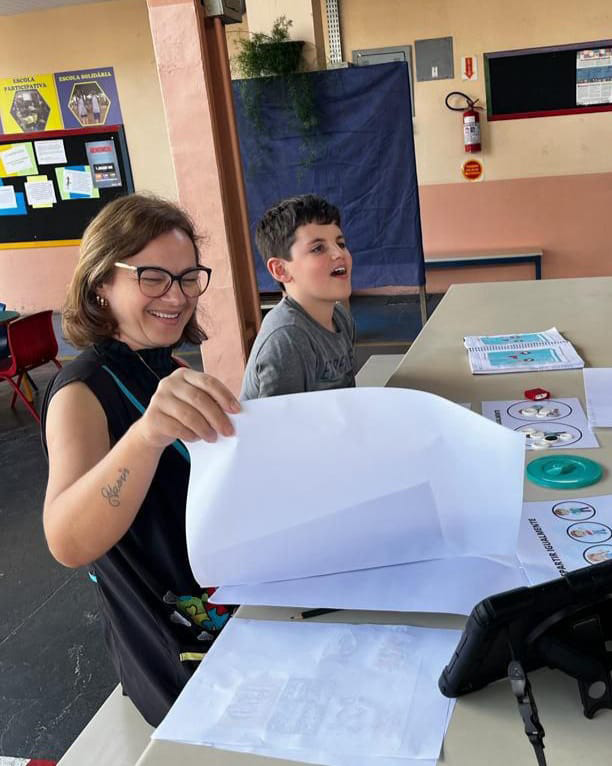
(334, 481)
(7, 198)
(50, 152)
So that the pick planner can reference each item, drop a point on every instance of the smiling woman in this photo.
(114, 421)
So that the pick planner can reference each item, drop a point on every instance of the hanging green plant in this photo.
(263, 56)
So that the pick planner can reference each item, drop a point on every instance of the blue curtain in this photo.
(360, 157)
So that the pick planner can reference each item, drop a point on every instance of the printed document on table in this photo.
(521, 352)
(336, 481)
(558, 536)
(598, 391)
(325, 693)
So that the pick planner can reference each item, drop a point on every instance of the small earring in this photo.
(102, 302)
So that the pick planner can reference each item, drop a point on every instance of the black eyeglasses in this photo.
(155, 282)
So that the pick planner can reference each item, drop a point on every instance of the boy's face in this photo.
(320, 265)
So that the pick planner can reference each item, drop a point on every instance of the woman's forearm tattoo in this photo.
(112, 491)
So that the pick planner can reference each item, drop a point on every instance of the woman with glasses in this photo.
(114, 425)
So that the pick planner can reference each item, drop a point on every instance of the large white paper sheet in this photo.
(598, 391)
(336, 481)
(318, 692)
(559, 536)
(452, 586)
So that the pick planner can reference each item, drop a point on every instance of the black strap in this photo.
(521, 688)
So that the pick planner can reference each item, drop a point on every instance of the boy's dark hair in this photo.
(275, 233)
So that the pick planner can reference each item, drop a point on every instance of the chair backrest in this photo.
(32, 341)
(4, 352)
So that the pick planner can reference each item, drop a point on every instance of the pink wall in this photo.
(32, 279)
(566, 216)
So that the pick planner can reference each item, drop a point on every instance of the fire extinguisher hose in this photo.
(469, 103)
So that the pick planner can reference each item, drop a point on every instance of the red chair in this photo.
(32, 343)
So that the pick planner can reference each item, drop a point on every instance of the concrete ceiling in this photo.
(12, 7)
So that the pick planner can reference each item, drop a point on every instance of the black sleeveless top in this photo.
(157, 618)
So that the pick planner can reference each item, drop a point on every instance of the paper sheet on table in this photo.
(318, 692)
(561, 535)
(598, 391)
(335, 481)
(452, 586)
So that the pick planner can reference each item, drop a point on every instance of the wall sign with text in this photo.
(64, 100)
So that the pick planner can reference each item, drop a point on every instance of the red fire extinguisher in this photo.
(471, 121)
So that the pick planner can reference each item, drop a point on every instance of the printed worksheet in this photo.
(558, 537)
(521, 352)
(546, 424)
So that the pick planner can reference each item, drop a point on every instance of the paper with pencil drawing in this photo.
(343, 695)
(336, 481)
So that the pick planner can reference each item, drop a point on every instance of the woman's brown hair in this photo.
(120, 230)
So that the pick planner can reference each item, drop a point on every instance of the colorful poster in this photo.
(29, 104)
(102, 159)
(75, 182)
(88, 97)
(17, 160)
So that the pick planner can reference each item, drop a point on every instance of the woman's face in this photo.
(144, 322)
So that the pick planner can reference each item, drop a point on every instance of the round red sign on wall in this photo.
(472, 170)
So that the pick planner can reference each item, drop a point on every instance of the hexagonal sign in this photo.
(30, 110)
(89, 103)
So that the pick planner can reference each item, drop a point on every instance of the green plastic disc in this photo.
(564, 471)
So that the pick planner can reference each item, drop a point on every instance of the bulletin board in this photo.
(541, 82)
(54, 182)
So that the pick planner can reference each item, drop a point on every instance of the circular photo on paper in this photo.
(589, 532)
(542, 435)
(596, 554)
(547, 409)
(572, 510)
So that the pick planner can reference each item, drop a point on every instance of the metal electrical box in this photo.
(434, 59)
(369, 56)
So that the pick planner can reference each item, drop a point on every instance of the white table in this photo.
(486, 728)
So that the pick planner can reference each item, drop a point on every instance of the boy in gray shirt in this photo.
(306, 341)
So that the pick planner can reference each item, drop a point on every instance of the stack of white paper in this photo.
(598, 390)
(343, 695)
(358, 479)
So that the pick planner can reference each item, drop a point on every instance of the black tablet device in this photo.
(563, 623)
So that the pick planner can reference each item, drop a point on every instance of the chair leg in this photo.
(17, 388)
(18, 392)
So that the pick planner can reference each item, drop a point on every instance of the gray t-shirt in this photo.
(294, 353)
